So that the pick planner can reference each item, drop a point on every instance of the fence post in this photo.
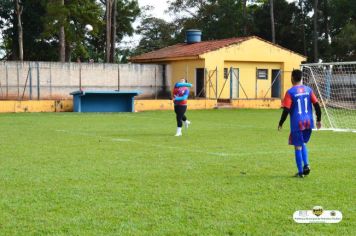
(216, 81)
(50, 80)
(118, 77)
(206, 74)
(30, 78)
(18, 80)
(156, 82)
(7, 82)
(80, 76)
(231, 82)
(38, 81)
(256, 88)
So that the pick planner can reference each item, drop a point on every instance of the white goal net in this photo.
(335, 86)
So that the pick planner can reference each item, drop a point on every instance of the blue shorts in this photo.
(298, 138)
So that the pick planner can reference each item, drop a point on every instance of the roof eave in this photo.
(150, 60)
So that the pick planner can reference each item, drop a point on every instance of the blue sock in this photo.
(299, 160)
(305, 155)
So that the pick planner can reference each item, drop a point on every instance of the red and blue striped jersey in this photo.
(299, 100)
(180, 95)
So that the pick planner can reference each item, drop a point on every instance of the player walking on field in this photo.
(298, 102)
(181, 93)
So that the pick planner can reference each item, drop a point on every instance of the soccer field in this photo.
(126, 174)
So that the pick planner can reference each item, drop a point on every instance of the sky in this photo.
(158, 10)
(159, 7)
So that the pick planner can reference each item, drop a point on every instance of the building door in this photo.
(276, 84)
(235, 83)
(200, 83)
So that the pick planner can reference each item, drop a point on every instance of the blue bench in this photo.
(104, 101)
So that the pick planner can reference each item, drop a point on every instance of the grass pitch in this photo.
(125, 174)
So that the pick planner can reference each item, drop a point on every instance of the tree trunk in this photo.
(315, 31)
(272, 22)
(326, 21)
(19, 9)
(108, 29)
(113, 31)
(62, 44)
(244, 17)
(68, 52)
(303, 27)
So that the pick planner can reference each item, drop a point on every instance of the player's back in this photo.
(301, 111)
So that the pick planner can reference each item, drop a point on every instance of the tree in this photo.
(344, 48)
(73, 19)
(119, 22)
(217, 19)
(156, 33)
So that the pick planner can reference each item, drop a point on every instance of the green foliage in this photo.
(344, 45)
(156, 33)
(216, 18)
(126, 174)
(288, 24)
(42, 20)
(73, 15)
(127, 13)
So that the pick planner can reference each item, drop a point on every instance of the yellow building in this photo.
(234, 68)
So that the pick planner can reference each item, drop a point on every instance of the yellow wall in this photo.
(36, 106)
(149, 105)
(257, 103)
(140, 105)
(247, 79)
(184, 69)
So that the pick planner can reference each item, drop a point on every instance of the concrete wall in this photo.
(49, 80)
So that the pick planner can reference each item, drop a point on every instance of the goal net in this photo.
(335, 86)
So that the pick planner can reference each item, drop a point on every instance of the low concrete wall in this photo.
(36, 106)
(149, 105)
(140, 105)
(257, 104)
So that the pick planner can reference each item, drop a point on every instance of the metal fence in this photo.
(52, 80)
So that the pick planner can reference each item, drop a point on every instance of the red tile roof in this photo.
(187, 50)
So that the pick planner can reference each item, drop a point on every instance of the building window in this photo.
(262, 73)
(226, 73)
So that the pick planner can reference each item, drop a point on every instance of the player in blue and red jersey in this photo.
(181, 93)
(298, 103)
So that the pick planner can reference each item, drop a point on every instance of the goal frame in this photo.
(309, 66)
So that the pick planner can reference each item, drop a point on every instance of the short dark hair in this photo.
(297, 75)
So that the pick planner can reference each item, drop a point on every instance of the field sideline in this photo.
(126, 174)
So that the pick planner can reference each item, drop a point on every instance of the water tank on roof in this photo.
(193, 36)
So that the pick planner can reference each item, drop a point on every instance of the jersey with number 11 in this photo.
(298, 100)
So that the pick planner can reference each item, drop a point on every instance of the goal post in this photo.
(335, 86)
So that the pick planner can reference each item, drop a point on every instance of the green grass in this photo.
(125, 174)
